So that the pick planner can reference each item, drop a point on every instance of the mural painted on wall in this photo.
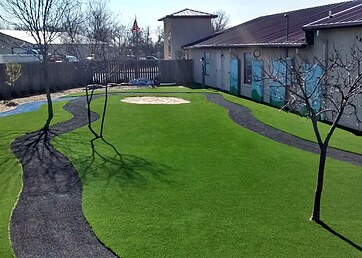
(313, 85)
(277, 89)
(257, 85)
(234, 76)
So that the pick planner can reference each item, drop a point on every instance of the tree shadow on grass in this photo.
(43, 166)
(345, 239)
(34, 145)
(101, 161)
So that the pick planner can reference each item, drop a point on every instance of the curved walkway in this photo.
(243, 117)
(48, 220)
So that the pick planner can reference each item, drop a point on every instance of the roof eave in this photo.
(187, 17)
(332, 26)
(262, 45)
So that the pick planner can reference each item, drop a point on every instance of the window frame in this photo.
(207, 63)
(248, 68)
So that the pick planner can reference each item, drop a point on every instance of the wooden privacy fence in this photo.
(124, 71)
(175, 71)
(71, 75)
(31, 81)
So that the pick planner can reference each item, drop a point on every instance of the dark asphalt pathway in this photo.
(243, 117)
(48, 220)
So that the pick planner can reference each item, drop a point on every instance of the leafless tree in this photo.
(120, 40)
(100, 27)
(43, 20)
(104, 36)
(221, 22)
(73, 28)
(322, 89)
(160, 41)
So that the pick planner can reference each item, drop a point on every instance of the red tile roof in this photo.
(189, 13)
(271, 30)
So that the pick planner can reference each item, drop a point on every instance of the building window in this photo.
(248, 70)
(169, 44)
(207, 63)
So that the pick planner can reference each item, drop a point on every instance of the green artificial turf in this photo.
(10, 169)
(299, 126)
(185, 181)
(165, 89)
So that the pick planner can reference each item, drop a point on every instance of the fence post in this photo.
(137, 69)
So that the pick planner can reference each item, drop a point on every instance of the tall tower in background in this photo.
(184, 27)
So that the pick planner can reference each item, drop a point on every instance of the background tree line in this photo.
(94, 24)
(89, 29)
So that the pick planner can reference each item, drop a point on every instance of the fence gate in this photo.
(167, 71)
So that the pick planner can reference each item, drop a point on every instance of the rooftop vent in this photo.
(330, 15)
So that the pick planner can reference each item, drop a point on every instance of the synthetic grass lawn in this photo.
(299, 126)
(188, 182)
(165, 89)
(10, 169)
(287, 122)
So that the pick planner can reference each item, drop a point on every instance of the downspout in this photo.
(326, 57)
(286, 33)
(287, 26)
(286, 57)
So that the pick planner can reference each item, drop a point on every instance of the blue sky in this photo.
(149, 11)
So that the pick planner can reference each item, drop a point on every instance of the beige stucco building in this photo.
(182, 28)
(241, 59)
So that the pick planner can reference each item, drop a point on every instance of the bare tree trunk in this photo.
(89, 100)
(104, 110)
(320, 179)
(49, 99)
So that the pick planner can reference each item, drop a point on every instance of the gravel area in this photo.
(48, 220)
(6, 105)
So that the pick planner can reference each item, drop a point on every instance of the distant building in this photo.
(22, 42)
(183, 27)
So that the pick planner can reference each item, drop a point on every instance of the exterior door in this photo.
(234, 76)
(222, 73)
(257, 85)
(277, 87)
(218, 70)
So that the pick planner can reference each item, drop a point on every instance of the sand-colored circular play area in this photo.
(155, 100)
